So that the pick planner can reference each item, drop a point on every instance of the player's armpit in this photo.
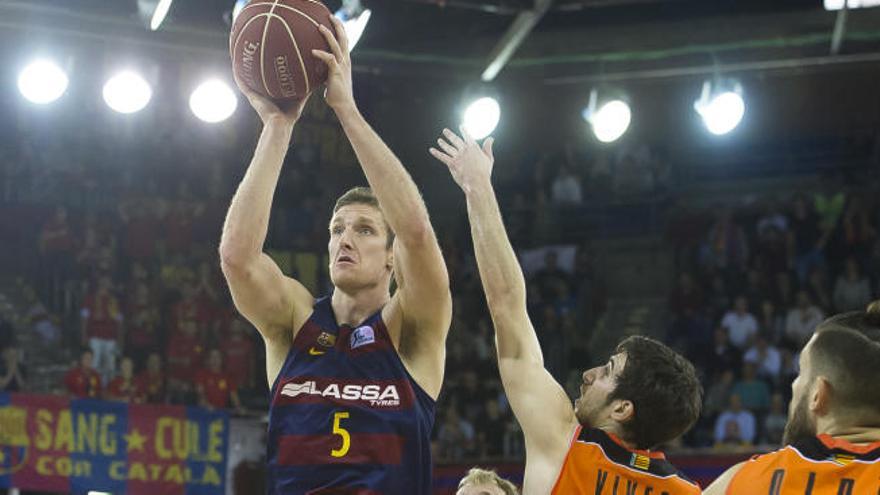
(719, 486)
(271, 301)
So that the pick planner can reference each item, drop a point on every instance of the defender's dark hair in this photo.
(846, 350)
(664, 390)
(364, 196)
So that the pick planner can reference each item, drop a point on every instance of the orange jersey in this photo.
(816, 466)
(598, 464)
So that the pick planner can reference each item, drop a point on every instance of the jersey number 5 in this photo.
(342, 432)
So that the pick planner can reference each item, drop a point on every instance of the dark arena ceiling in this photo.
(571, 40)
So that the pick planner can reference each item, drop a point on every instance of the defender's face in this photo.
(598, 384)
(357, 247)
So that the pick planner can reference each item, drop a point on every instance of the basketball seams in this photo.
(288, 7)
(263, 50)
(243, 30)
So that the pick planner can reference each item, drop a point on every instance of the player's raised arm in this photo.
(539, 403)
(267, 298)
(423, 296)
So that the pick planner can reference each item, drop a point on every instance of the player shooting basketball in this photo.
(832, 438)
(644, 396)
(354, 375)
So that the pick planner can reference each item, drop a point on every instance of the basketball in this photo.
(271, 46)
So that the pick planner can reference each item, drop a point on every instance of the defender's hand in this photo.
(469, 163)
(339, 93)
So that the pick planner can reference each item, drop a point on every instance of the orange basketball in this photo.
(271, 46)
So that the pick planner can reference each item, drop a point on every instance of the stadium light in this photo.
(213, 101)
(159, 14)
(354, 18)
(127, 92)
(481, 117)
(42, 82)
(610, 120)
(721, 107)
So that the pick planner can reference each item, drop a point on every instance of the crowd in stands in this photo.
(118, 277)
(754, 284)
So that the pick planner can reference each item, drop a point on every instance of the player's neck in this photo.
(353, 308)
(854, 434)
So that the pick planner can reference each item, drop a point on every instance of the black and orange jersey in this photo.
(597, 463)
(819, 465)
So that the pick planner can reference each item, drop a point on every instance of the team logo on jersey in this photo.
(640, 461)
(362, 336)
(842, 459)
(326, 339)
(373, 395)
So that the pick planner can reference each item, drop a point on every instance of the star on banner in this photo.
(135, 441)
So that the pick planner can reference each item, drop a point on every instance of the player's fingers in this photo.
(468, 139)
(341, 35)
(443, 157)
(487, 148)
(327, 58)
(448, 148)
(334, 45)
(453, 139)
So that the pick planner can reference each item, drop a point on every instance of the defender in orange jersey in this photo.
(832, 439)
(645, 394)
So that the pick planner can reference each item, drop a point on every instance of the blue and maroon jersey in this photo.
(345, 415)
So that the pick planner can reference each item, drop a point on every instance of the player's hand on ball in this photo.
(469, 163)
(270, 112)
(339, 89)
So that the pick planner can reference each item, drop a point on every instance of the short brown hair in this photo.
(846, 349)
(364, 196)
(477, 476)
(664, 389)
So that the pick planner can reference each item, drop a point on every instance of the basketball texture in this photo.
(271, 46)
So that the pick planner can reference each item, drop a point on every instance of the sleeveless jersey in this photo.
(815, 466)
(345, 417)
(598, 464)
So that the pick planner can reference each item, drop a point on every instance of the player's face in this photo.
(358, 247)
(598, 383)
(801, 421)
(481, 489)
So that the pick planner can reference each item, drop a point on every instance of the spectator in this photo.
(12, 372)
(783, 294)
(238, 353)
(857, 234)
(774, 423)
(142, 336)
(491, 426)
(455, 438)
(686, 299)
(771, 322)
(482, 482)
(802, 321)
(184, 353)
(726, 244)
(852, 292)
(806, 240)
(740, 324)
(123, 387)
(819, 289)
(215, 387)
(724, 356)
(566, 189)
(550, 276)
(82, 381)
(743, 430)
(102, 327)
(718, 395)
(765, 358)
(753, 393)
(150, 383)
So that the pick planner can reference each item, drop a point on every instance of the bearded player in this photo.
(645, 394)
(354, 375)
(832, 438)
